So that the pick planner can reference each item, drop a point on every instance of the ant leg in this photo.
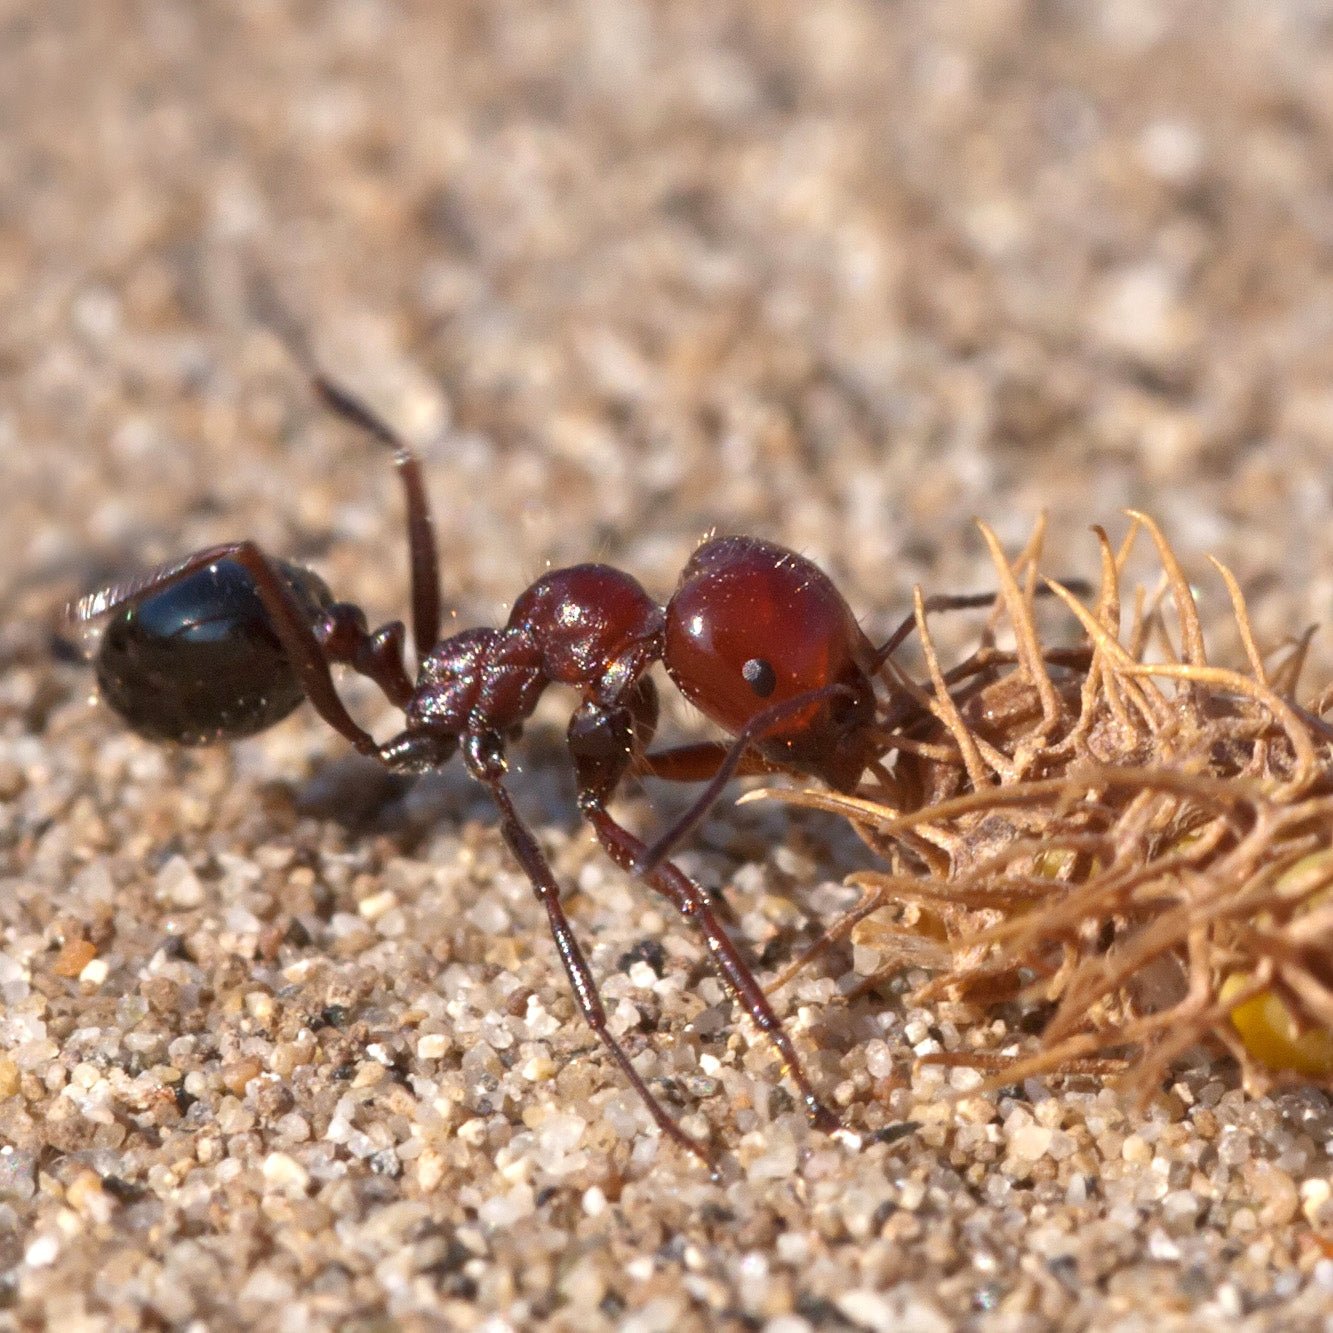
(422, 551)
(486, 764)
(290, 621)
(691, 902)
(600, 742)
(729, 767)
(698, 763)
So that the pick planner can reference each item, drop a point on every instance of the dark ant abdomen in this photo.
(198, 661)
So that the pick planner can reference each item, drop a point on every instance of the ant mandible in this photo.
(226, 642)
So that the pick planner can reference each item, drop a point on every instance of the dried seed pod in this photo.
(1121, 829)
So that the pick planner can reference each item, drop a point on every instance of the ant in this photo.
(228, 641)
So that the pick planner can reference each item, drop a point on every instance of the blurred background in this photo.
(843, 275)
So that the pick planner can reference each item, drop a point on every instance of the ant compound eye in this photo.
(760, 676)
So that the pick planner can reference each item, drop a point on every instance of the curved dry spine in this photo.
(1115, 827)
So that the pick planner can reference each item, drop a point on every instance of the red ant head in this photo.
(752, 625)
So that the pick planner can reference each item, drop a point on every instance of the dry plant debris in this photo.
(1121, 831)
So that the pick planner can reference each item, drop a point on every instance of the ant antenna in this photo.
(423, 553)
(753, 730)
(959, 602)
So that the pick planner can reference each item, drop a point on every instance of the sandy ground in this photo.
(285, 1042)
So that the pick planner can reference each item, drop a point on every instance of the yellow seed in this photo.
(1269, 1032)
(1052, 864)
(1298, 879)
(1265, 1024)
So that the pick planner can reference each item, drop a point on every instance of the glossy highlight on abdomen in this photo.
(199, 660)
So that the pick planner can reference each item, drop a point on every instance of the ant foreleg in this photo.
(728, 767)
(600, 741)
(485, 762)
(691, 902)
(700, 762)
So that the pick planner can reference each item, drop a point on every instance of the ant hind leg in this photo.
(422, 551)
